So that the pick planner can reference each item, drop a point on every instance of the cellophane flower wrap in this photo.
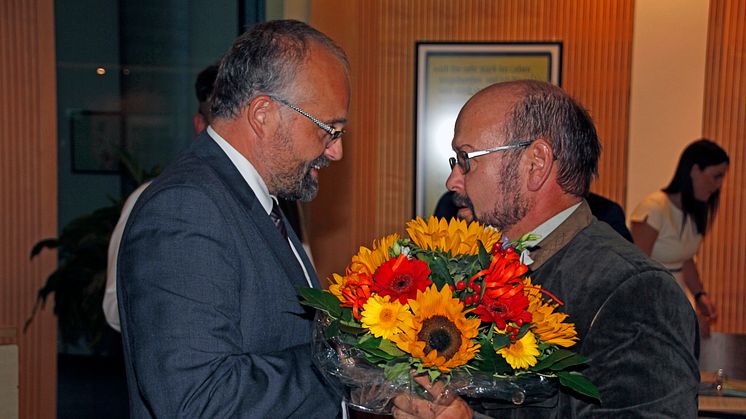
(454, 301)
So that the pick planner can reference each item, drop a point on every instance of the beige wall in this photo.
(667, 92)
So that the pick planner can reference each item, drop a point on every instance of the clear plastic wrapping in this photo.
(364, 387)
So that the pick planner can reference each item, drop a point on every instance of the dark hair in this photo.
(205, 82)
(546, 111)
(203, 89)
(265, 60)
(703, 153)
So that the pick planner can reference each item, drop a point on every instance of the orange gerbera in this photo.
(352, 290)
(502, 279)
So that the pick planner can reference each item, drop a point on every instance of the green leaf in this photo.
(580, 384)
(390, 348)
(322, 300)
(500, 341)
(489, 361)
(568, 362)
(372, 347)
(555, 357)
(396, 372)
(484, 256)
(332, 330)
(439, 271)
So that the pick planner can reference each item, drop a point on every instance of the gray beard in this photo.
(299, 184)
(512, 206)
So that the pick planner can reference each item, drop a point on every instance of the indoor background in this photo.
(654, 75)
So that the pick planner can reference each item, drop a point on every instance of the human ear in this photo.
(260, 116)
(540, 162)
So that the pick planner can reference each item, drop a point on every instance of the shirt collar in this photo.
(247, 170)
(548, 226)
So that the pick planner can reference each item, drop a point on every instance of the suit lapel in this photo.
(209, 151)
(562, 235)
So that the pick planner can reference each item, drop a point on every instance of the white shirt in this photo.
(252, 178)
(545, 229)
(255, 182)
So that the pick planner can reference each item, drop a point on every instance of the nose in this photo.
(334, 150)
(455, 181)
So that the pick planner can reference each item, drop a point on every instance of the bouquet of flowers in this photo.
(452, 300)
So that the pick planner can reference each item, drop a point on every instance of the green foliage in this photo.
(79, 281)
(577, 382)
(321, 300)
(488, 360)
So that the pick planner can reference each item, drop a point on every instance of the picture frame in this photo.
(447, 75)
(95, 141)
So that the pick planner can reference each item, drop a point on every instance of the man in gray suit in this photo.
(526, 155)
(208, 267)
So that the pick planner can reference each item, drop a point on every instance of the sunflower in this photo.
(549, 325)
(522, 353)
(353, 290)
(441, 335)
(457, 236)
(367, 260)
(401, 278)
(385, 318)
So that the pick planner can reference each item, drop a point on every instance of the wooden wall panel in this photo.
(370, 193)
(722, 258)
(28, 187)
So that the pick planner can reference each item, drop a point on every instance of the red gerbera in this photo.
(401, 278)
(504, 310)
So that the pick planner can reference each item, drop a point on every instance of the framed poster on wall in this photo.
(448, 74)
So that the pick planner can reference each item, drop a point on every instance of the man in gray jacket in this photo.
(526, 155)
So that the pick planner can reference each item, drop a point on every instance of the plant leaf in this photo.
(321, 300)
(50, 243)
(568, 362)
(579, 383)
(484, 256)
(396, 372)
(439, 271)
(489, 361)
(553, 358)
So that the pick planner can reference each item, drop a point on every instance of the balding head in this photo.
(530, 151)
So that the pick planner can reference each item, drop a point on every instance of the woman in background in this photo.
(668, 225)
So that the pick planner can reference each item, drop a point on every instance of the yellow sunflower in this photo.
(367, 260)
(549, 325)
(456, 236)
(385, 318)
(522, 353)
(441, 335)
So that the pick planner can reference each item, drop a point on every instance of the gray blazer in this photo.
(635, 325)
(210, 317)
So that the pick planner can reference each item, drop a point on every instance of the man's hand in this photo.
(445, 404)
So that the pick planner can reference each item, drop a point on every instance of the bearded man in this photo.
(208, 266)
(526, 154)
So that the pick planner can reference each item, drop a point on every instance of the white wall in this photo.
(668, 76)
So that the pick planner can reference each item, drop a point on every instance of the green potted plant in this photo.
(79, 281)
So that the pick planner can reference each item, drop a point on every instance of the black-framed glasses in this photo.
(333, 132)
(462, 157)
